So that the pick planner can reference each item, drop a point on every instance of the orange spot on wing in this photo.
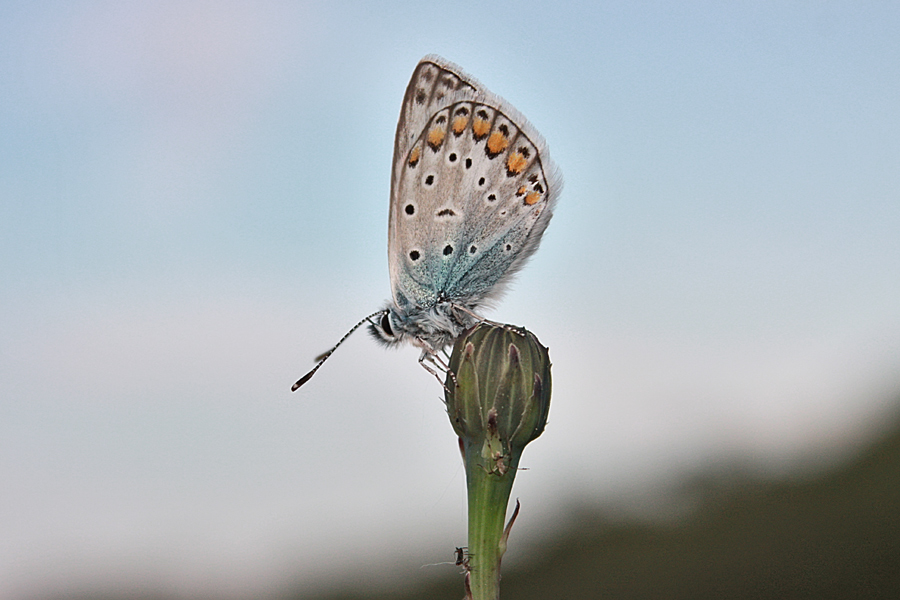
(521, 191)
(497, 143)
(436, 137)
(414, 156)
(480, 127)
(532, 198)
(459, 124)
(516, 162)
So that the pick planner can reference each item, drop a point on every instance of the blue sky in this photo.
(193, 204)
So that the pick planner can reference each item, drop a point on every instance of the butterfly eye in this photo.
(386, 324)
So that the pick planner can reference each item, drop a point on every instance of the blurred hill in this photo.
(823, 534)
(832, 535)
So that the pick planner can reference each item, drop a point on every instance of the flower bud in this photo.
(498, 392)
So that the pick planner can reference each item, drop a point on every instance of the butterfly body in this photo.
(472, 191)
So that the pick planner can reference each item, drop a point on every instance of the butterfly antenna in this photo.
(323, 357)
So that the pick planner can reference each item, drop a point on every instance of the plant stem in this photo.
(488, 496)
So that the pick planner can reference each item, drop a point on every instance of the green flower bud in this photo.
(498, 389)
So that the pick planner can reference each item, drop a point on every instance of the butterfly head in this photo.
(387, 327)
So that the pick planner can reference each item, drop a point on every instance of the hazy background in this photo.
(193, 204)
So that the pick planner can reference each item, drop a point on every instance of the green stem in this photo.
(488, 494)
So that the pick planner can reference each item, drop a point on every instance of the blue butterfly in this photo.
(472, 191)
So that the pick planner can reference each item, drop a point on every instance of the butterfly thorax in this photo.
(430, 328)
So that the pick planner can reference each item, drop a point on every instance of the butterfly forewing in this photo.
(431, 88)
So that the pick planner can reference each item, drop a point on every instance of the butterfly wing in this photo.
(472, 190)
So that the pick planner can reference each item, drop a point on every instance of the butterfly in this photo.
(472, 191)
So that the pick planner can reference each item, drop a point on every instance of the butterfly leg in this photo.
(429, 357)
(444, 363)
(480, 319)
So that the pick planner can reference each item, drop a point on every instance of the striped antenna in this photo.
(323, 357)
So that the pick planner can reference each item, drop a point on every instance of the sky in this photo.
(193, 204)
